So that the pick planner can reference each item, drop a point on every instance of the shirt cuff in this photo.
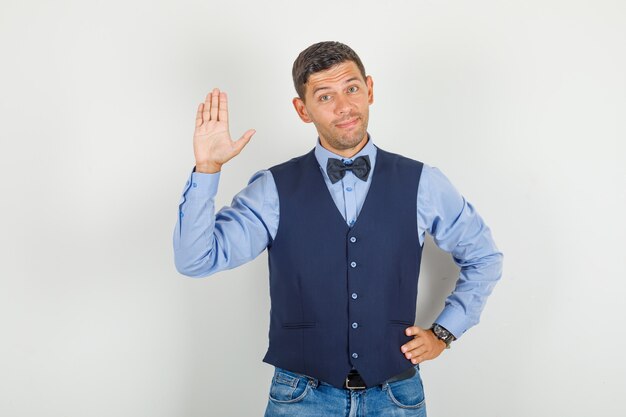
(453, 321)
(202, 186)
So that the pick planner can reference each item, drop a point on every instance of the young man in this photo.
(344, 227)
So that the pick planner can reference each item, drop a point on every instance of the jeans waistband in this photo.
(403, 375)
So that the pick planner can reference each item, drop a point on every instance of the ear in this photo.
(370, 89)
(300, 107)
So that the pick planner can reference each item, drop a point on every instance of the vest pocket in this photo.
(402, 322)
(299, 325)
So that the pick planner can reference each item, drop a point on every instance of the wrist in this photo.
(440, 342)
(210, 168)
(442, 334)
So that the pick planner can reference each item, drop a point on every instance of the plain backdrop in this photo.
(520, 103)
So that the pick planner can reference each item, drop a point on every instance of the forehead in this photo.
(335, 74)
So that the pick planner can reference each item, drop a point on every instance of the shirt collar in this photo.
(322, 154)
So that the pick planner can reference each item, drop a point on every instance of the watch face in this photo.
(441, 332)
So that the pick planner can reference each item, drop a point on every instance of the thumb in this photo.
(413, 330)
(244, 139)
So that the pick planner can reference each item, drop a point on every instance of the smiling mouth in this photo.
(348, 124)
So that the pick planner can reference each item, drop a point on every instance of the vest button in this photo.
(353, 239)
(355, 325)
(354, 296)
(354, 355)
(353, 264)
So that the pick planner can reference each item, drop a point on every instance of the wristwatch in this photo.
(443, 334)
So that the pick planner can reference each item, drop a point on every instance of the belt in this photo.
(354, 380)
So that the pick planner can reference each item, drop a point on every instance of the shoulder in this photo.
(291, 163)
(400, 161)
(262, 181)
(435, 176)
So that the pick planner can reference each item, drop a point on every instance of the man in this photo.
(344, 227)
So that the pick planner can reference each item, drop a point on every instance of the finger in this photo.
(418, 359)
(413, 344)
(243, 140)
(413, 331)
(420, 351)
(214, 103)
(199, 115)
(206, 108)
(223, 109)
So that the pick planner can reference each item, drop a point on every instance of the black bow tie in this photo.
(336, 169)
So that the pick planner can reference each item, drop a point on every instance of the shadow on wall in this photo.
(438, 276)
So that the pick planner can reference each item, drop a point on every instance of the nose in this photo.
(342, 104)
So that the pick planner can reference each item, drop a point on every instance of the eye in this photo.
(325, 97)
(353, 89)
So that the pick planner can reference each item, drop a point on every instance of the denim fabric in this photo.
(294, 394)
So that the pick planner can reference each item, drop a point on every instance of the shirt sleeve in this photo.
(206, 242)
(457, 228)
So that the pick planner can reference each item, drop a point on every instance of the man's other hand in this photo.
(212, 145)
(424, 346)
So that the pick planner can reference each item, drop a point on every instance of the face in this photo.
(337, 101)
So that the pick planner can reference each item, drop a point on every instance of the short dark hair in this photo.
(319, 57)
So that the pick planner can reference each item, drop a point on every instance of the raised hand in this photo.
(212, 145)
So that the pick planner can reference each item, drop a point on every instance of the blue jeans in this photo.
(294, 394)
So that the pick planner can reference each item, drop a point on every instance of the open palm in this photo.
(212, 145)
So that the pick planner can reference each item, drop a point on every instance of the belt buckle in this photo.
(348, 380)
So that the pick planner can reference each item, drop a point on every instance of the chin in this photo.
(353, 140)
(344, 141)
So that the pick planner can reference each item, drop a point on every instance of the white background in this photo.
(520, 103)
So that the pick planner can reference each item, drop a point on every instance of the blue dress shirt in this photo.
(206, 242)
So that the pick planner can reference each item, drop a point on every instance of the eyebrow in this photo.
(327, 88)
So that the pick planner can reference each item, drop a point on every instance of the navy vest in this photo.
(342, 296)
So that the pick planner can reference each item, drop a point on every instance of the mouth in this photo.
(348, 124)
